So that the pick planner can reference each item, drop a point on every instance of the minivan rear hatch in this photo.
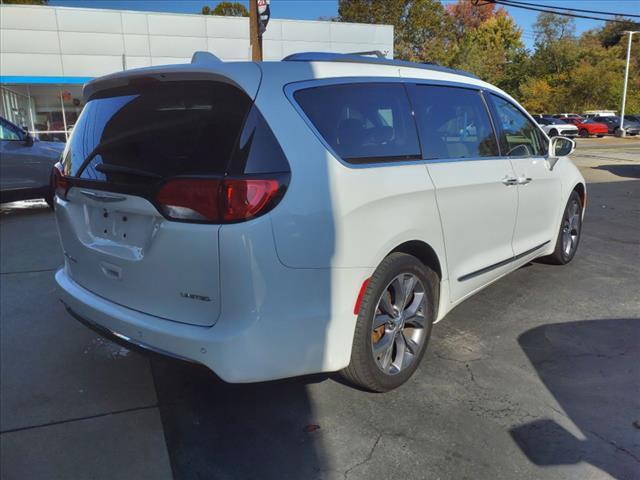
(129, 140)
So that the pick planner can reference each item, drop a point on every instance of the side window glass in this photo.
(453, 122)
(257, 149)
(8, 133)
(519, 136)
(363, 123)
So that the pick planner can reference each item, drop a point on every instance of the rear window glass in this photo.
(363, 123)
(162, 130)
(453, 122)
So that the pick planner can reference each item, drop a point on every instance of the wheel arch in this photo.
(581, 189)
(423, 252)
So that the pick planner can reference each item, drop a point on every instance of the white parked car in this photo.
(554, 127)
(317, 214)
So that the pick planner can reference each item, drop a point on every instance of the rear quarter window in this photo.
(363, 123)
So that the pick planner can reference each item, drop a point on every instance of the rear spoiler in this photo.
(203, 66)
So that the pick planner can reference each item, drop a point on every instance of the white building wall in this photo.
(77, 42)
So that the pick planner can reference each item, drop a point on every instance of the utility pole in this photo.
(255, 37)
(626, 80)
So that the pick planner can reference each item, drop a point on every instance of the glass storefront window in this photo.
(49, 112)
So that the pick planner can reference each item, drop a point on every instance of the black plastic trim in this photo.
(123, 340)
(484, 270)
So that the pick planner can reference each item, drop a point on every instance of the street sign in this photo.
(264, 13)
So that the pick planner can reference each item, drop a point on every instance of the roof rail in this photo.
(369, 53)
(204, 57)
(359, 58)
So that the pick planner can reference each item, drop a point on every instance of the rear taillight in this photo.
(60, 183)
(218, 200)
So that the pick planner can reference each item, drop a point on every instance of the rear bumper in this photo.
(245, 347)
(122, 340)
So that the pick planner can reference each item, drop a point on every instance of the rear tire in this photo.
(49, 200)
(584, 133)
(569, 234)
(387, 347)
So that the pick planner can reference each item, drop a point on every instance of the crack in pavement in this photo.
(78, 419)
(368, 458)
(615, 445)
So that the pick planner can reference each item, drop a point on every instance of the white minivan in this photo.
(316, 214)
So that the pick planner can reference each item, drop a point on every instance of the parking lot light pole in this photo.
(626, 80)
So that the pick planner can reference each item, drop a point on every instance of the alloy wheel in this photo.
(571, 228)
(399, 326)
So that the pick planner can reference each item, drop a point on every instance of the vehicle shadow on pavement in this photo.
(627, 171)
(218, 430)
(592, 368)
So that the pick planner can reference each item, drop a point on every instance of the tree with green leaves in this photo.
(550, 27)
(423, 30)
(612, 32)
(494, 51)
(226, 9)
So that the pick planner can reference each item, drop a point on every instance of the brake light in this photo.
(60, 183)
(218, 200)
(244, 199)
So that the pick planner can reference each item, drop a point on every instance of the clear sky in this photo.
(313, 9)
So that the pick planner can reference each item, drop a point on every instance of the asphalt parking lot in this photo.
(536, 377)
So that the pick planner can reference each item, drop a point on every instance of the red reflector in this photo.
(61, 184)
(191, 199)
(363, 289)
(217, 200)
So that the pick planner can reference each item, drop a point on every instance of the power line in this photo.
(574, 9)
(507, 3)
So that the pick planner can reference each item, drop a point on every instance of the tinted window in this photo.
(363, 122)
(157, 131)
(258, 150)
(519, 136)
(453, 122)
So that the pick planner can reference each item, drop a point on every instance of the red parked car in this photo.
(587, 127)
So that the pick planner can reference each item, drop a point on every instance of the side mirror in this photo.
(28, 139)
(561, 147)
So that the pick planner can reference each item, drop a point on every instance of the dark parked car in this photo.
(25, 164)
(631, 126)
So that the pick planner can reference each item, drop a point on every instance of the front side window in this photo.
(453, 122)
(363, 123)
(8, 133)
(519, 136)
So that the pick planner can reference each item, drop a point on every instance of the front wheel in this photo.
(570, 231)
(394, 323)
(553, 133)
(584, 133)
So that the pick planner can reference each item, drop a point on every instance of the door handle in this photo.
(509, 181)
(524, 180)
